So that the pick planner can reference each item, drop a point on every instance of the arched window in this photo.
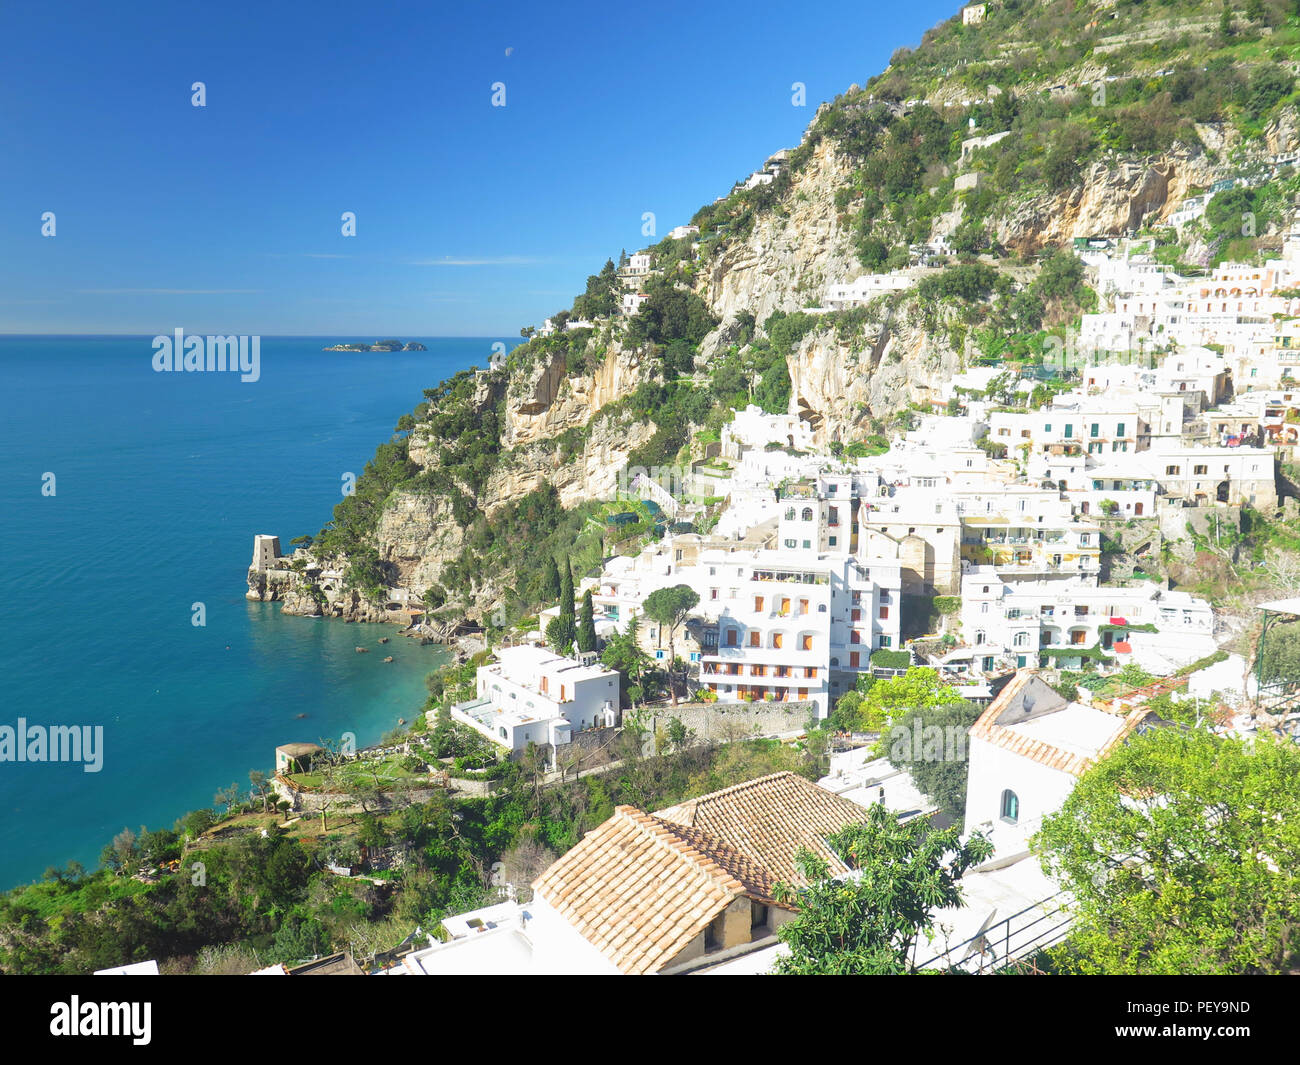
(807, 514)
(1022, 639)
(1010, 807)
(979, 637)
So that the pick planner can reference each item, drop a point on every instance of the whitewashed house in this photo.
(532, 695)
(1027, 750)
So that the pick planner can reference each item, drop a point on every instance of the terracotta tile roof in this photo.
(988, 729)
(769, 819)
(639, 890)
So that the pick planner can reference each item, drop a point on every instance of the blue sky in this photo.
(471, 219)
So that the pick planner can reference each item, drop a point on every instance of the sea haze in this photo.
(162, 480)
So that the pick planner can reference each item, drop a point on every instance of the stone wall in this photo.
(588, 749)
(306, 801)
(725, 722)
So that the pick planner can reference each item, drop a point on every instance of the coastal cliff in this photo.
(969, 165)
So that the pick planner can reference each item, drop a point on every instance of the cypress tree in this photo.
(566, 590)
(551, 580)
(587, 624)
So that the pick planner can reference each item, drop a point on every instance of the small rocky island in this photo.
(379, 345)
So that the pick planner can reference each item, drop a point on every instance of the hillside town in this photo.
(995, 546)
(887, 566)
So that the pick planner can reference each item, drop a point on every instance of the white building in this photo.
(790, 622)
(531, 695)
(632, 301)
(1027, 750)
(865, 288)
(1160, 630)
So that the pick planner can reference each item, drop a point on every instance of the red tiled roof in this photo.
(1008, 739)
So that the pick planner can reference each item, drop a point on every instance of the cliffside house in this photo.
(532, 695)
(678, 891)
(1026, 752)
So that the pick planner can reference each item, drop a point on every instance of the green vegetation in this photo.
(866, 925)
(930, 743)
(670, 607)
(1181, 851)
(267, 898)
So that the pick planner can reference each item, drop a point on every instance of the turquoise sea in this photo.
(161, 482)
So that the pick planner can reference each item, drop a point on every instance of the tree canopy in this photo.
(1183, 852)
(866, 923)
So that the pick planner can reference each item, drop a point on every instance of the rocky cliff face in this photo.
(556, 427)
(793, 251)
(546, 401)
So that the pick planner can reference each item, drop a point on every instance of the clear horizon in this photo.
(471, 220)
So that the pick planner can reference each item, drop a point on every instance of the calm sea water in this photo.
(162, 480)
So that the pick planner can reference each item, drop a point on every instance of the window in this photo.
(805, 643)
(792, 543)
(1172, 471)
(833, 541)
(1022, 639)
(855, 636)
(884, 613)
(1096, 429)
(1010, 807)
(776, 640)
(1069, 431)
(732, 635)
(853, 660)
(856, 615)
(807, 514)
(753, 639)
(758, 604)
(1200, 471)
(886, 641)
